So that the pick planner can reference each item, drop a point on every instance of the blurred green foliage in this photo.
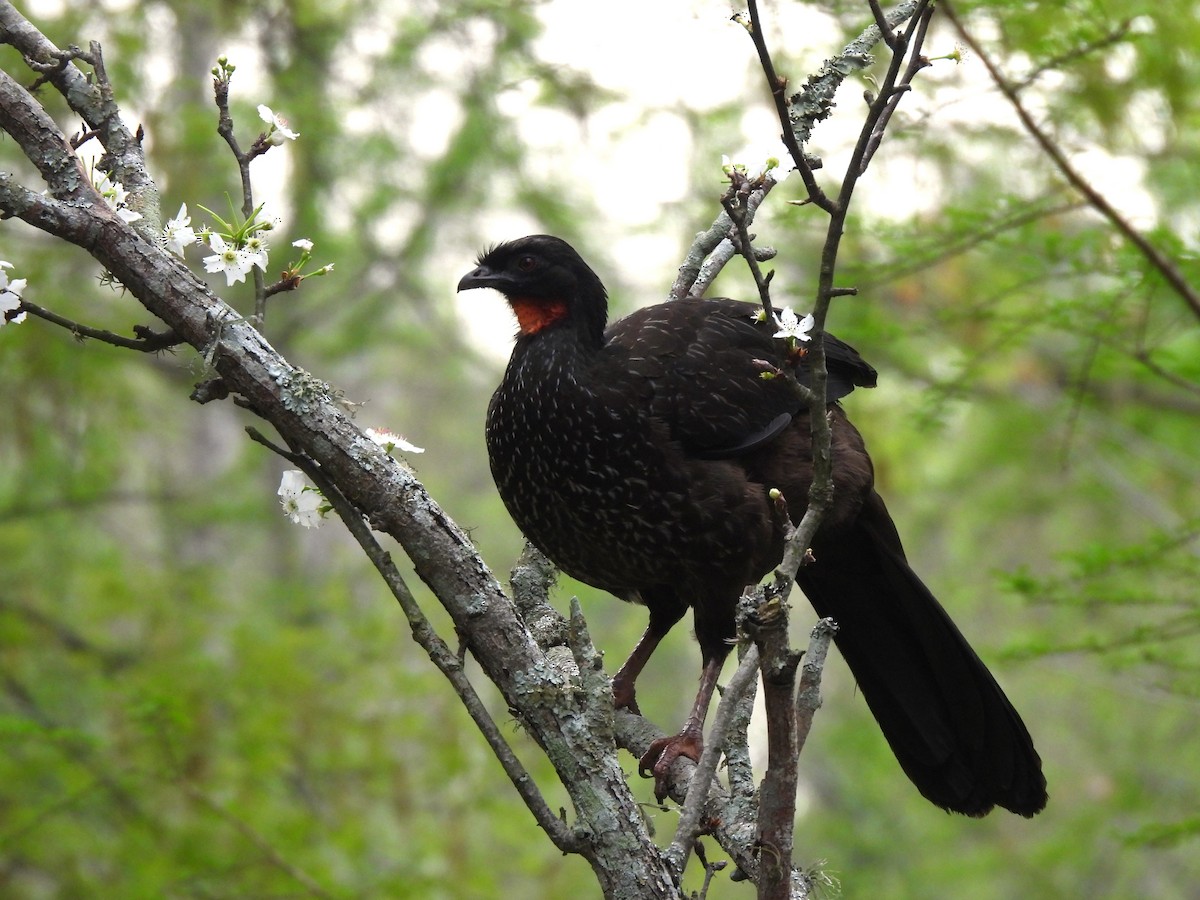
(198, 699)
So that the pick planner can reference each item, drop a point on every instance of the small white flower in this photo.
(114, 195)
(301, 503)
(113, 192)
(279, 130)
(10, 296)
(178, 232)
(792, 327)
(304, 244)
(235, 263)
(256, 249)
(389, 440)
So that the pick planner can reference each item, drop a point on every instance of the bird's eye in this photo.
(527, 263)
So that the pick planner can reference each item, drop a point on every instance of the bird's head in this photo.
(546, 283)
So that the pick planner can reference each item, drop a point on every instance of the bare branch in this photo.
(814, 101)
(1158, 261)
(93, 100)
(690, 824)
(221, 81)
(734, 202)
(808, 695)
(446, 660)
(778, 88)
(260, 842)
(1087, 48)
(916, 62)
(884, 26)
(147, 341)
(711, 249)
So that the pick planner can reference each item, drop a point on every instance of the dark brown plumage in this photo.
(639, 460)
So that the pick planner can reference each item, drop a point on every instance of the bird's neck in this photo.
(535, 315)
(577, 321)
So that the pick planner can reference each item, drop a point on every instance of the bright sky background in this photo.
(625, 159)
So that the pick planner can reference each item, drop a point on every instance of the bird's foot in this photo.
(657, 761)
(624, 696)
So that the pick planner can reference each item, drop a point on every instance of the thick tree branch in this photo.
(447, 661)
(777, 795)
(93, 100)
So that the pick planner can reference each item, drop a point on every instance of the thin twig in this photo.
(446, 660)
(148, 341)
(916, 62)
(778, 87)
(1143, 356)
(243, 158)
(943, 247)
(821, 492)
(734, 203)
(711, 249)
(1164, 266)
(1087, 48)
(717, 260)
(884, 26)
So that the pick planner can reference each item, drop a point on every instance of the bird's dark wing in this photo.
(713, 374)
(844, 368)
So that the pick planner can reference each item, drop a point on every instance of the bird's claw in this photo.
(656, 762)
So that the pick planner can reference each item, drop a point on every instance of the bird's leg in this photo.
(623, 684)
(662, 617)
(657, 761)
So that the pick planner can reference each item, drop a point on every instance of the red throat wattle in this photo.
(534, 315)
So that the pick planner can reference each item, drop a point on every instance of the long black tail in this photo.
(950, 725)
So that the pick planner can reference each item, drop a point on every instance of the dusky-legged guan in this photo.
(639, 458)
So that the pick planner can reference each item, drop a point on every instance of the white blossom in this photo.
(301, 503)
(279, 129)
(10, 296)
(793, 327)
(256, 249)
(389, 440)
(178, 232)
(227, 258)
(115, 196)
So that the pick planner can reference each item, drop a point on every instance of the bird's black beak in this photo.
(483, 277)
